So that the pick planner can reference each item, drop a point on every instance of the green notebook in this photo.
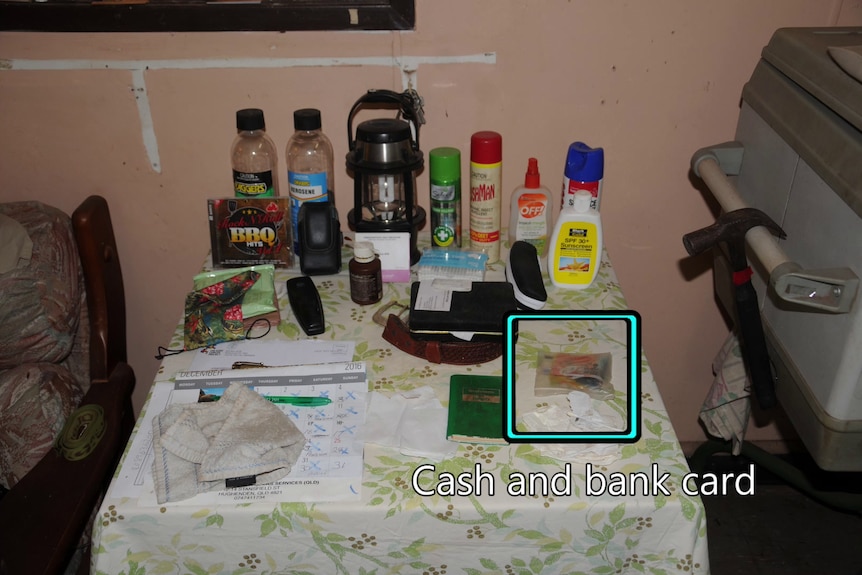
(476, 409)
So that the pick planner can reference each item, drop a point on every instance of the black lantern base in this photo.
(400, 226)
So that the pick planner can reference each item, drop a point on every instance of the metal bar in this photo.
(832, 290)
(763, 244)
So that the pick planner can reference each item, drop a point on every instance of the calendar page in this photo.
(327, 404)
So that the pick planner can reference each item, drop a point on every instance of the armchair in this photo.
(44, 514)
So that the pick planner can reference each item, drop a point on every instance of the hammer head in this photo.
(729, 227)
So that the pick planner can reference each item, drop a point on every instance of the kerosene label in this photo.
(304, 188)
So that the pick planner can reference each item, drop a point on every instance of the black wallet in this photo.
(479, 311)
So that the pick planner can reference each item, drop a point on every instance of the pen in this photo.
(299, 401)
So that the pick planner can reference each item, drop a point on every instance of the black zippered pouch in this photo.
(479, 311)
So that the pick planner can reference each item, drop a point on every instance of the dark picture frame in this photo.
(205, 15)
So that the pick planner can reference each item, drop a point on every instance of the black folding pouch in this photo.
(479, 310)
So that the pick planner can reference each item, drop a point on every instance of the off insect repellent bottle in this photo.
(576, 245)
(530, 218)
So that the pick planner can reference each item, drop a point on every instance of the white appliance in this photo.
(798, 158)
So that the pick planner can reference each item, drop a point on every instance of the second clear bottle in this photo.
(309, 164)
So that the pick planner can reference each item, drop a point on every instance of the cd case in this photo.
(250, 231)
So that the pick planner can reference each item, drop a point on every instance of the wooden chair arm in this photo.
(43, 516)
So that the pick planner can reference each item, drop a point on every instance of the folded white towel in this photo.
(199, 446)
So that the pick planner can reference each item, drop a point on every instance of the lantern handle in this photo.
(409, 107)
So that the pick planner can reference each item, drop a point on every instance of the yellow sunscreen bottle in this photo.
(576, 245)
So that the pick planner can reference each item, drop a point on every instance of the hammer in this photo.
(731, 228)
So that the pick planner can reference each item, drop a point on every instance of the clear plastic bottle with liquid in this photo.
(253, 157)
(309, 164)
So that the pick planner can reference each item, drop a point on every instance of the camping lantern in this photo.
(384, 159)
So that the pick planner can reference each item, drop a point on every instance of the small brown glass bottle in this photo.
(366, 279)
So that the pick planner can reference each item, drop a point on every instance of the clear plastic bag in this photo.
(560, 373)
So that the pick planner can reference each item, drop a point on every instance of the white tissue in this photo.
(579, 417)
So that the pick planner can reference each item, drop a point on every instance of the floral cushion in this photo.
(41, 307)
(44, 343)
(35, 401)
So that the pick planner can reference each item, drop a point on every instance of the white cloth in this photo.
(413, 422)
(198, 446)
(727, 407)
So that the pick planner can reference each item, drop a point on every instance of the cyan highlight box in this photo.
(632, 431)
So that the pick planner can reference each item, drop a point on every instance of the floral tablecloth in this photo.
(394, 529)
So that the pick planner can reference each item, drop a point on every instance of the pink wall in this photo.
(651, 82)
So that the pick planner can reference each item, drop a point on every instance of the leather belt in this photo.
(398, 334)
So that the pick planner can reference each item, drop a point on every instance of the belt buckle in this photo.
(380, 315)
